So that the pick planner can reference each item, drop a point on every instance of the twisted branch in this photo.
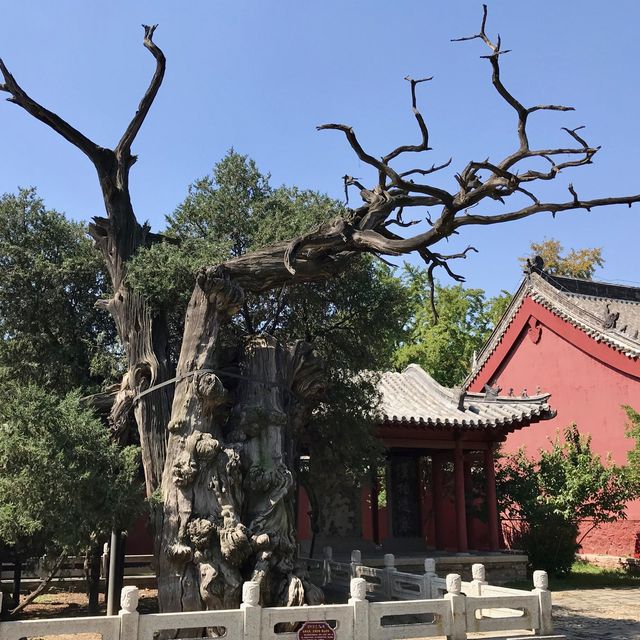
(70, 134)
(124, 146)
(424, 145)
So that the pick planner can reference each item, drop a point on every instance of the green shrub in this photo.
(543, 501)
(63, 483)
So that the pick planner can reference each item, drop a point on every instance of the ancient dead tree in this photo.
(225, 455)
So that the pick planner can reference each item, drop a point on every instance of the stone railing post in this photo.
(541, 589)
(458, 609)
(427, 578)
(327, 556)
(252, 610)
(129, 616)
(389, 570)
(479, 580)
(356, 561)
(360, 604)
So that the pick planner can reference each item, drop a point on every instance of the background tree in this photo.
(51, 333)
(220, 445)
(445, 346)
(63, 483)
(576, 263)
(355, 321)
(444, 343)
(544, 501)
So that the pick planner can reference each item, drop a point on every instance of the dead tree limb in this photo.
(143, 332)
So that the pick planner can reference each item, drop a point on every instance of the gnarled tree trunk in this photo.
(229, 476)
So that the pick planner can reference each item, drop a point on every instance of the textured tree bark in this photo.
(228, 482)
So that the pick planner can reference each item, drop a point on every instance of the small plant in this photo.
(544, 501)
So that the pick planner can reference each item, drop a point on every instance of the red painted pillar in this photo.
(375, 516)
(492, 499)
(461, 509)
(437, 482)
(468, 492)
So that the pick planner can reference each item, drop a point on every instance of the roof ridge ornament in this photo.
(459, 395)
(491, 393)
(534, 265)
(610, 319)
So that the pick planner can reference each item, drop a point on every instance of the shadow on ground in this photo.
(611, 614)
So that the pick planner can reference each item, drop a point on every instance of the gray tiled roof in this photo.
(585, 304)
(582, 303)
(414, 397)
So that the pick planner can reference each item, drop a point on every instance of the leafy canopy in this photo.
(63, 483)
(466, 317)
(355, 321)
(576, 263)
(51, 333)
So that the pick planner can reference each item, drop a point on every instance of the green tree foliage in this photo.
(546, 499)
(63, 484)
(354, 321)
(51, 333)
(465, 319)
(633, 455)
(576, 263)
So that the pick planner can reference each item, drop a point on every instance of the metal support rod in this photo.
(112, 596)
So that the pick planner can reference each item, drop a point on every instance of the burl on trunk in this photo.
(229, 476)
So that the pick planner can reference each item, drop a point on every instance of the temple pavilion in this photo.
(437, 490)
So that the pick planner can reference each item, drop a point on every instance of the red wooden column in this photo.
(461, 508)
(375, 515)
(492, 499)
(437, 482)
(468, 492)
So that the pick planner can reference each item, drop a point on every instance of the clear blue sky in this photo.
(259, 76)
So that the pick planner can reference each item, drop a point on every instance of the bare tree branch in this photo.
(575, 136)
(549, 207)
(399, 221)
(69, 133)
(424, 145)
(549, 107)
(444, 196)
(348, 182)
(124, 146)
(426, 172)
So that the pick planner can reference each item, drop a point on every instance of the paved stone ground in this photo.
(591, 614)
(611, 614)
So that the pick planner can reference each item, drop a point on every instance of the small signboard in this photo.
(316, 630)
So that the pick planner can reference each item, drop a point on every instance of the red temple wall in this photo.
(589, 383)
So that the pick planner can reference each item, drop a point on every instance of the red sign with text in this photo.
(320, 630)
